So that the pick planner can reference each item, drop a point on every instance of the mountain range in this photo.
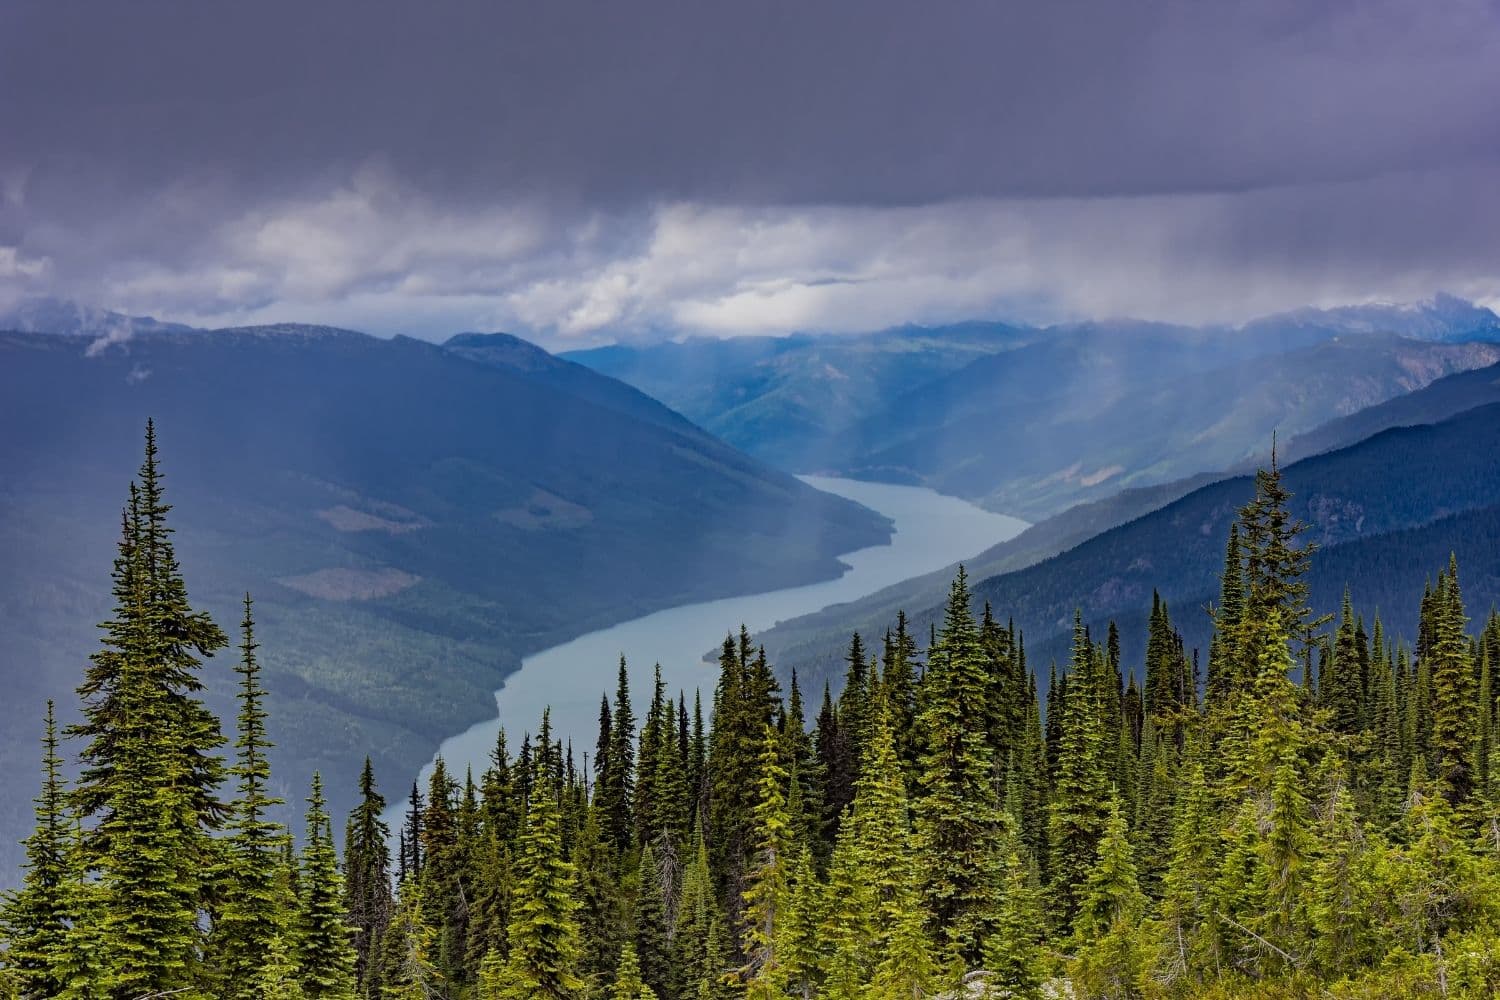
(411, 519)
(1386, 512)
(1030, 421)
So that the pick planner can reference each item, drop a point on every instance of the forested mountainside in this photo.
(1371, 506)
(1030, 421)
(1034, 438)
(1444, 398)
(1159, 827)
(412, 520)
(820, 634)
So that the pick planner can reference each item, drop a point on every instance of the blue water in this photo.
(931, 531)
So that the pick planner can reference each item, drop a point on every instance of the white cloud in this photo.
(16, 265)
(378, 254)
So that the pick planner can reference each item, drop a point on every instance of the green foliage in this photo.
(325, 954)
(1107, 933)
(1273, 839)
(961, 830)
(543, 934)
(35, 919)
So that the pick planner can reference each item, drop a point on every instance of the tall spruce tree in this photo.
(961, 828)
(367, 875)
(325, 954)
(768, 893)
(249, 913)
(148, 787)
(35, 919)
(543, 932)
(1081, 790)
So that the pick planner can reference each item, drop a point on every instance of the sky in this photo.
(580, 172)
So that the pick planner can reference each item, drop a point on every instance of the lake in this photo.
(931, 531)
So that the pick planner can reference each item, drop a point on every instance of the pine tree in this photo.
(1341, 687)
(628, 983)
(1224, 674)
(652, 944)
(34, 920)
(406, 968)
(277, 976)
(1187, 912)
(874, 867)
(909, 968)
(961, 828)
(367, 875)
(600, 922)
(1453, 683)
(1080, 793)
(1107, 932)
(1013, 955)
(617, 784)
(249, 914)
(325, 954)
(150, 772)
(767, 895)
(543, 932)
(1341, 880)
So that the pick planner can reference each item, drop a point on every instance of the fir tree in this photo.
(1013, 954)
(1080, 792)
(325, 955)
(249, 915)
(1107, 931)
(150, 772)
(543, 932)
(1453, 683)
(961, 829)
(628, 984)
(35, 919)
(766, 898)
(407, 970)
(367, 875)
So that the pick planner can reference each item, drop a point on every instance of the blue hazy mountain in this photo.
(1380, 530)
(786, 399)
(1029, 420)
(411, 520)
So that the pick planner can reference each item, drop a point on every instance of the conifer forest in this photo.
(1311, 809)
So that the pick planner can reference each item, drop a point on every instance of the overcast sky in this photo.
(580, 172)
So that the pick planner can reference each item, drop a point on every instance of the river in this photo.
(931, 531)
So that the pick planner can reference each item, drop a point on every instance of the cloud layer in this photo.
(586, 171)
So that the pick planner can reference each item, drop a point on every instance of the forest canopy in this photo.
(1309, 808)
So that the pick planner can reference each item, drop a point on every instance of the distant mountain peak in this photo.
(504, 349)
(1443, 317)
(68, 318)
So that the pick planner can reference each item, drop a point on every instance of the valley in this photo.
(930, 531)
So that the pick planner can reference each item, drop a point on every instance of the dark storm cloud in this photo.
(179, 150)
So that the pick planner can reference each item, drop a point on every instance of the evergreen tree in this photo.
(407, 970)
(1013, 955)
(1080, 793)
(35, 919)
(150, 772)
(652, 943)
(617, 783)
(628, 983)
(1453, 684)
(367, 875)
(249, 914)
(1107, 930)
(961, 828)
(767, 895)
(326, 956)
(543, 932)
